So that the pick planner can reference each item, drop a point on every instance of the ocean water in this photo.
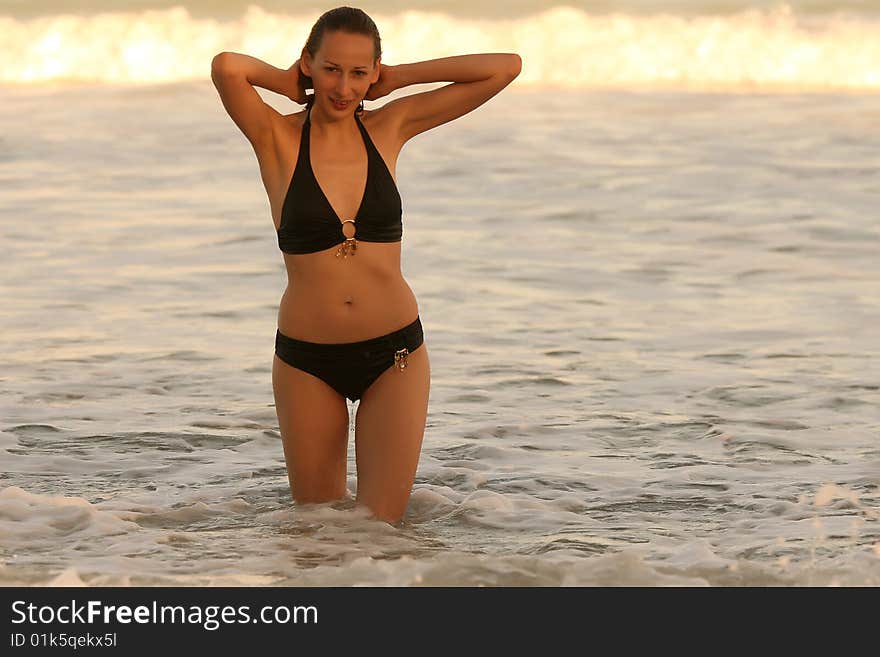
(726, 45)
(650, 288)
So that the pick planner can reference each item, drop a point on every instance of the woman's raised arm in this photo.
(475, 78)
(235, 75)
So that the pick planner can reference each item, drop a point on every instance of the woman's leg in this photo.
(313, 419)
(389, 428)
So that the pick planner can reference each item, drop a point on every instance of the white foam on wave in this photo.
(690, 564)
(26, 517)
(349, 548)
(561, 47)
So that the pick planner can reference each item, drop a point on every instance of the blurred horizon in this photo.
(689, 45)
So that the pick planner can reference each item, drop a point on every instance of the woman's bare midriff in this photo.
(330, 299)
(333, 300)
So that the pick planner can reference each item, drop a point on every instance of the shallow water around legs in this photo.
(652, 328)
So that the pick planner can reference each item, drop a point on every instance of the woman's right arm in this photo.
(235, 75)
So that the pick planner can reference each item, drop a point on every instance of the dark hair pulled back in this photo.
(343, 19)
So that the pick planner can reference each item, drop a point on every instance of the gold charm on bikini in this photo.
(350, 244)
(400, 358)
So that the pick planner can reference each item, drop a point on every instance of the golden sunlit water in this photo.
(562, 47)
(651, 307)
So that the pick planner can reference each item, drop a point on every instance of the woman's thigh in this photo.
(314, 422)
(389, 428)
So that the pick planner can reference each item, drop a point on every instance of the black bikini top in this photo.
(308, 221)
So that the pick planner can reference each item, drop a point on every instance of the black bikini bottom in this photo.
(350, 367)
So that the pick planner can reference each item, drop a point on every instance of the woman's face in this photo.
(342, 70)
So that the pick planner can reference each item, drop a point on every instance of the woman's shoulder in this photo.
(375, 115)
(381, 123)
(286, 136)
(295, 119)
(288, 127)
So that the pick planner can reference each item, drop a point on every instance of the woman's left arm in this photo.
(475, 79)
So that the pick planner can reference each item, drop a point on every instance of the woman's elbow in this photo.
(515, 64)
(223, 62)
(218, 59)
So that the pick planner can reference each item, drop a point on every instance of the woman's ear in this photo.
(305, 63)
(377, 71)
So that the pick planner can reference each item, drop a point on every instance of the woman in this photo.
(348, 323)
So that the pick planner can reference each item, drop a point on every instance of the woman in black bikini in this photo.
(348, 323)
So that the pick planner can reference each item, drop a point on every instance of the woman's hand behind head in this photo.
(299, 84)
(384, 85)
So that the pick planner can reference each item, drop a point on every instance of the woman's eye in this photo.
(332, 69)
